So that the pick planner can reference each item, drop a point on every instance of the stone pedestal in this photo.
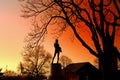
(56, 73)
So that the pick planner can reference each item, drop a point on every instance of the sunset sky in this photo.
(13, 30)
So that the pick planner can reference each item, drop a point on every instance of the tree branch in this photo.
(75, 32)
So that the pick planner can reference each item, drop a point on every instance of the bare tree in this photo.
(64, 60)
(101, 18)
(35, 62)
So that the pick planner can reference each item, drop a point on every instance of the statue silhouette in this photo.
(57, 50)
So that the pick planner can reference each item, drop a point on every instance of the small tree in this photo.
(35, 61)
(64, 60)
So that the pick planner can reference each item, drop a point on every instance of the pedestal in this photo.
(56, 73)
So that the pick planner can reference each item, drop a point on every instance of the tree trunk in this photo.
(108, 62)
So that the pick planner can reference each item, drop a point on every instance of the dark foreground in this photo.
(18, 78)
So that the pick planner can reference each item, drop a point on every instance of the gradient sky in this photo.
(13, 30)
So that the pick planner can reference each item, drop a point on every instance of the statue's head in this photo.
(56, 40)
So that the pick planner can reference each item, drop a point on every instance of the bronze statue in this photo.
(57, 50)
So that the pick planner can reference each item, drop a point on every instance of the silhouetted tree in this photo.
(101, 18)
(35, 62)
(64, 60)
(20, 69)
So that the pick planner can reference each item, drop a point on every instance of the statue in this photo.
(57, 50)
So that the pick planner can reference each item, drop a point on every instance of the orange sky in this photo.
(13, 30)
